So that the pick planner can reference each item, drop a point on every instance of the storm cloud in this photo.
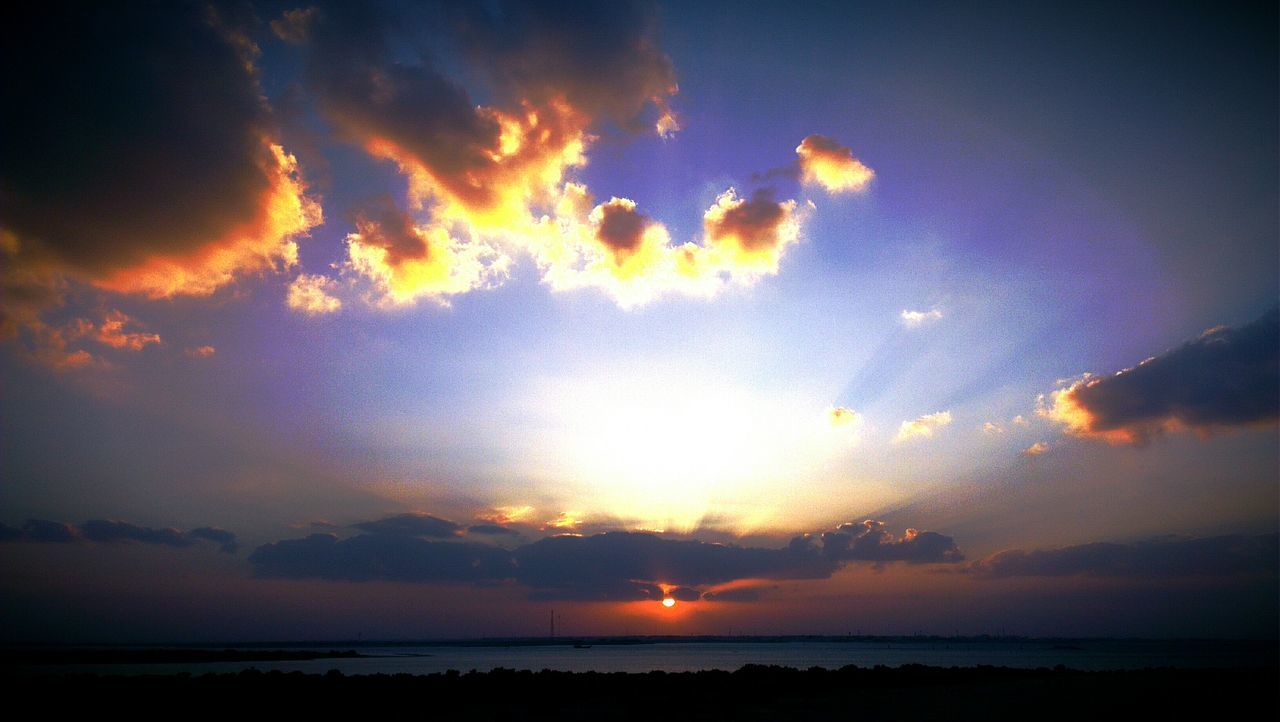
(1226, 377)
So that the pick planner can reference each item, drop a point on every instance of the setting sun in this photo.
(668, 602)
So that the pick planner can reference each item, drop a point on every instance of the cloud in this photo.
(750, 234)
(826, 163)
(411, 525)
(578, 567)
(1226, 377)
(839, 416)
(992, 429)
(870, 541)
(1212, 557)
(392, 557)
(108, 169)
(111, 333)
(112, 532)
(225, 539)
(1035, 449)
(488, 181)
(923, 427)
(491, 529)
(200, 351)
(404, 261)
(312, 295)
(734, 594)
(913, 319)
(609, 566)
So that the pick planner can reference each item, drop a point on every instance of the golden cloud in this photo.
(842, 416)
(749, 235)
(826, 163)
(923, 427)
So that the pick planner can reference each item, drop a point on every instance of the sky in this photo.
(420, 320)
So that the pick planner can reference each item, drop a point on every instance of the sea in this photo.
(696, 655)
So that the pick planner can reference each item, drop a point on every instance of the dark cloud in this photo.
(43, 530)
(869, 541)
(391, 557)
(130, 114)
(752, 224)
(411, 525)
(1215, 556)
(601, 57)
(102, 530)
(611, 566)
(685, 594)
(492, 529)
(225, 539)
(1226, 377)
(621, 228)
(380, 223)
(572, 563)
(737, 594)
(110, 532)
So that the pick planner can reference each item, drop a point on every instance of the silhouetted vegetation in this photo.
(751, 693)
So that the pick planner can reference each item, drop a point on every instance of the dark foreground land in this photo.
(751, 693)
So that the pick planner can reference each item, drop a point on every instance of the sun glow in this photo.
(668, 602)
(667, 450)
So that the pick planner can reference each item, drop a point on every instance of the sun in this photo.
(668, 602)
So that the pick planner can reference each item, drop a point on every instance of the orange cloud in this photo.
(263, 241)
(404, 262)
(826, 163)
(750, 234)
(111, 333)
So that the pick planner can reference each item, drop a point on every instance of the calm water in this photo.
(694, 656)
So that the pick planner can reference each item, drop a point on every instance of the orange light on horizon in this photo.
(668, 602)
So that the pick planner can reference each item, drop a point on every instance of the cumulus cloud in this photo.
(108, 171)
(923, 427)
(913, 319)
(486, 181)
(109, 167)
(870, 541)
(312, 294)
(750, 234)
(1226, 377)
(404, 261)
(1214, 556)
(609, 566)
(826, 163)
(111, 532)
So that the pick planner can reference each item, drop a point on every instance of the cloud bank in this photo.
(608, 566)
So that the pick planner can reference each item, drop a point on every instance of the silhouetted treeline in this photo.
(752, 693)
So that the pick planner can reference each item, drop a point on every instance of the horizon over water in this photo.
(685, 654)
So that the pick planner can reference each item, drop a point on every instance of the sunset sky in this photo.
(402, 320)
